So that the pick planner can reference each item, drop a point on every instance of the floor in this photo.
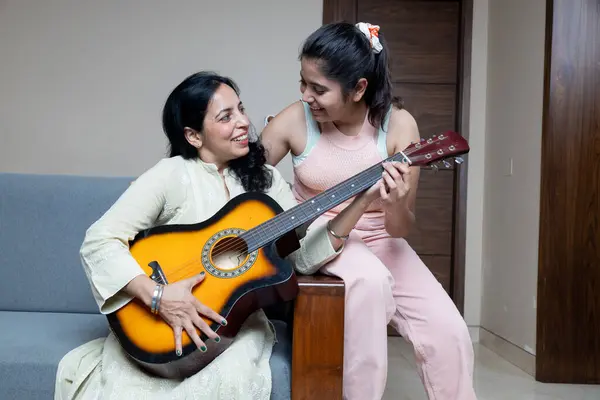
(495, 379)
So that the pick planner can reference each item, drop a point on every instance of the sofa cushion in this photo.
(43, 219)
(32, 344)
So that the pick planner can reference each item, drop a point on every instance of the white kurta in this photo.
(174, 191)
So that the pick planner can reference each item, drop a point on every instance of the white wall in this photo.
(514, 104)
(476, 165)
(83, 82)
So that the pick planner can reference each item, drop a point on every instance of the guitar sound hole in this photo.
(229, 253)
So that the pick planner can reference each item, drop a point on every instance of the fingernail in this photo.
(178, 352)
(217, 339)
(203, 349)
(223, 322)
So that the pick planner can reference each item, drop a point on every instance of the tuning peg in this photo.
(458, 160)
(447, 164)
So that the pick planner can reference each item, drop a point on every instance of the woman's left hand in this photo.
(395, 184)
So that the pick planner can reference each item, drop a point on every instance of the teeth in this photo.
(240, 138)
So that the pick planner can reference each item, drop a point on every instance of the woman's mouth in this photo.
(316, 109)
(242, 139)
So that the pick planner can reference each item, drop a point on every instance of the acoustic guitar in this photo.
(242, 249)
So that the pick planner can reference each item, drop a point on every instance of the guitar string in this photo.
(240, 245)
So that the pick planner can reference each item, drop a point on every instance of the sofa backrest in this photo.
(43, 219)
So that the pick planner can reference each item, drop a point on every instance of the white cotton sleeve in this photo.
(105, 255)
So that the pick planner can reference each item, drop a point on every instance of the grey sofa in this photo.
(46, 305)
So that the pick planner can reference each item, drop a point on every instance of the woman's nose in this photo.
(307, 97)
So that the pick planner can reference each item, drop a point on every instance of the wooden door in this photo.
(426, 41)
(568, 312)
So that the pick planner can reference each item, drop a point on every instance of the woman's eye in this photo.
(226, 118)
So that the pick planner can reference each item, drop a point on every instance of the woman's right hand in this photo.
(181, 310)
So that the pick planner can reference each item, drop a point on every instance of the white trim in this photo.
(507, 350)
(474, 333)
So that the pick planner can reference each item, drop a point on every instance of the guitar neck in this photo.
(278, 226)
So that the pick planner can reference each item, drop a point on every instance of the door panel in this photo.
(422, 37)
(432, 234)
(568, 312)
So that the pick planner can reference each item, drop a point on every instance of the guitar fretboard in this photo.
(279, 225)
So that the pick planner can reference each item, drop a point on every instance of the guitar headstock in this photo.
(437, 148)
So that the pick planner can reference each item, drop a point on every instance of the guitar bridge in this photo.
(158, 275)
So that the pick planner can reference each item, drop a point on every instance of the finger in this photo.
(209, 313)
(403, 168)
(391, 184)
(392, 169)
(177, 333)
(191, 331)
(203, 326)
(382, 191)
(196, 279)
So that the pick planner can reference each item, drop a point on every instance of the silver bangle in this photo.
(158, 290)
(335, 235)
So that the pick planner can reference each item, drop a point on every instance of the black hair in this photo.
(345, 55)
(186, 106)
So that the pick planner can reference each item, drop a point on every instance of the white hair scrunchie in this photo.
(372, 33)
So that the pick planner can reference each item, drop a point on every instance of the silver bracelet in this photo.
(158, 291)
(335, 234)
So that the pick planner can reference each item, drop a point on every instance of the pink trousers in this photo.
(386, 281)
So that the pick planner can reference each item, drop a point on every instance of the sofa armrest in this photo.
(318, 338)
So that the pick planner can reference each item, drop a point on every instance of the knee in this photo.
(373, 281)
(449, 332)
(373, 287)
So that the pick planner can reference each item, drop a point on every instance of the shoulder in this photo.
(163, 172)
(291, 113)
(166, 167)
(287, 122)
(402, 128)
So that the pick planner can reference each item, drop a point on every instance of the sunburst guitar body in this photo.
(237, 282)
(242, 250)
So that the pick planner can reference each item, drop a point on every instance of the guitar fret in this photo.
(423, 153)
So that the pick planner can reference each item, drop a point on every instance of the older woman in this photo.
(212, 159)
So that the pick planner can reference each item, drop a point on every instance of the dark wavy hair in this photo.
(344, 54)
(186, 106)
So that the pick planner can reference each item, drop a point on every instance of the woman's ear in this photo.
(359, 90)
(193, 137)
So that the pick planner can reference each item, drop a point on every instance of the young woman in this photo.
(347, 120)
(214, 157)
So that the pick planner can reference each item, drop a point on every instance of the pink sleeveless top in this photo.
(330, 157)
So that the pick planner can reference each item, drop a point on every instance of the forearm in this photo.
(142, 288)
(346, 220)
(319, 246)
(399, 220)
